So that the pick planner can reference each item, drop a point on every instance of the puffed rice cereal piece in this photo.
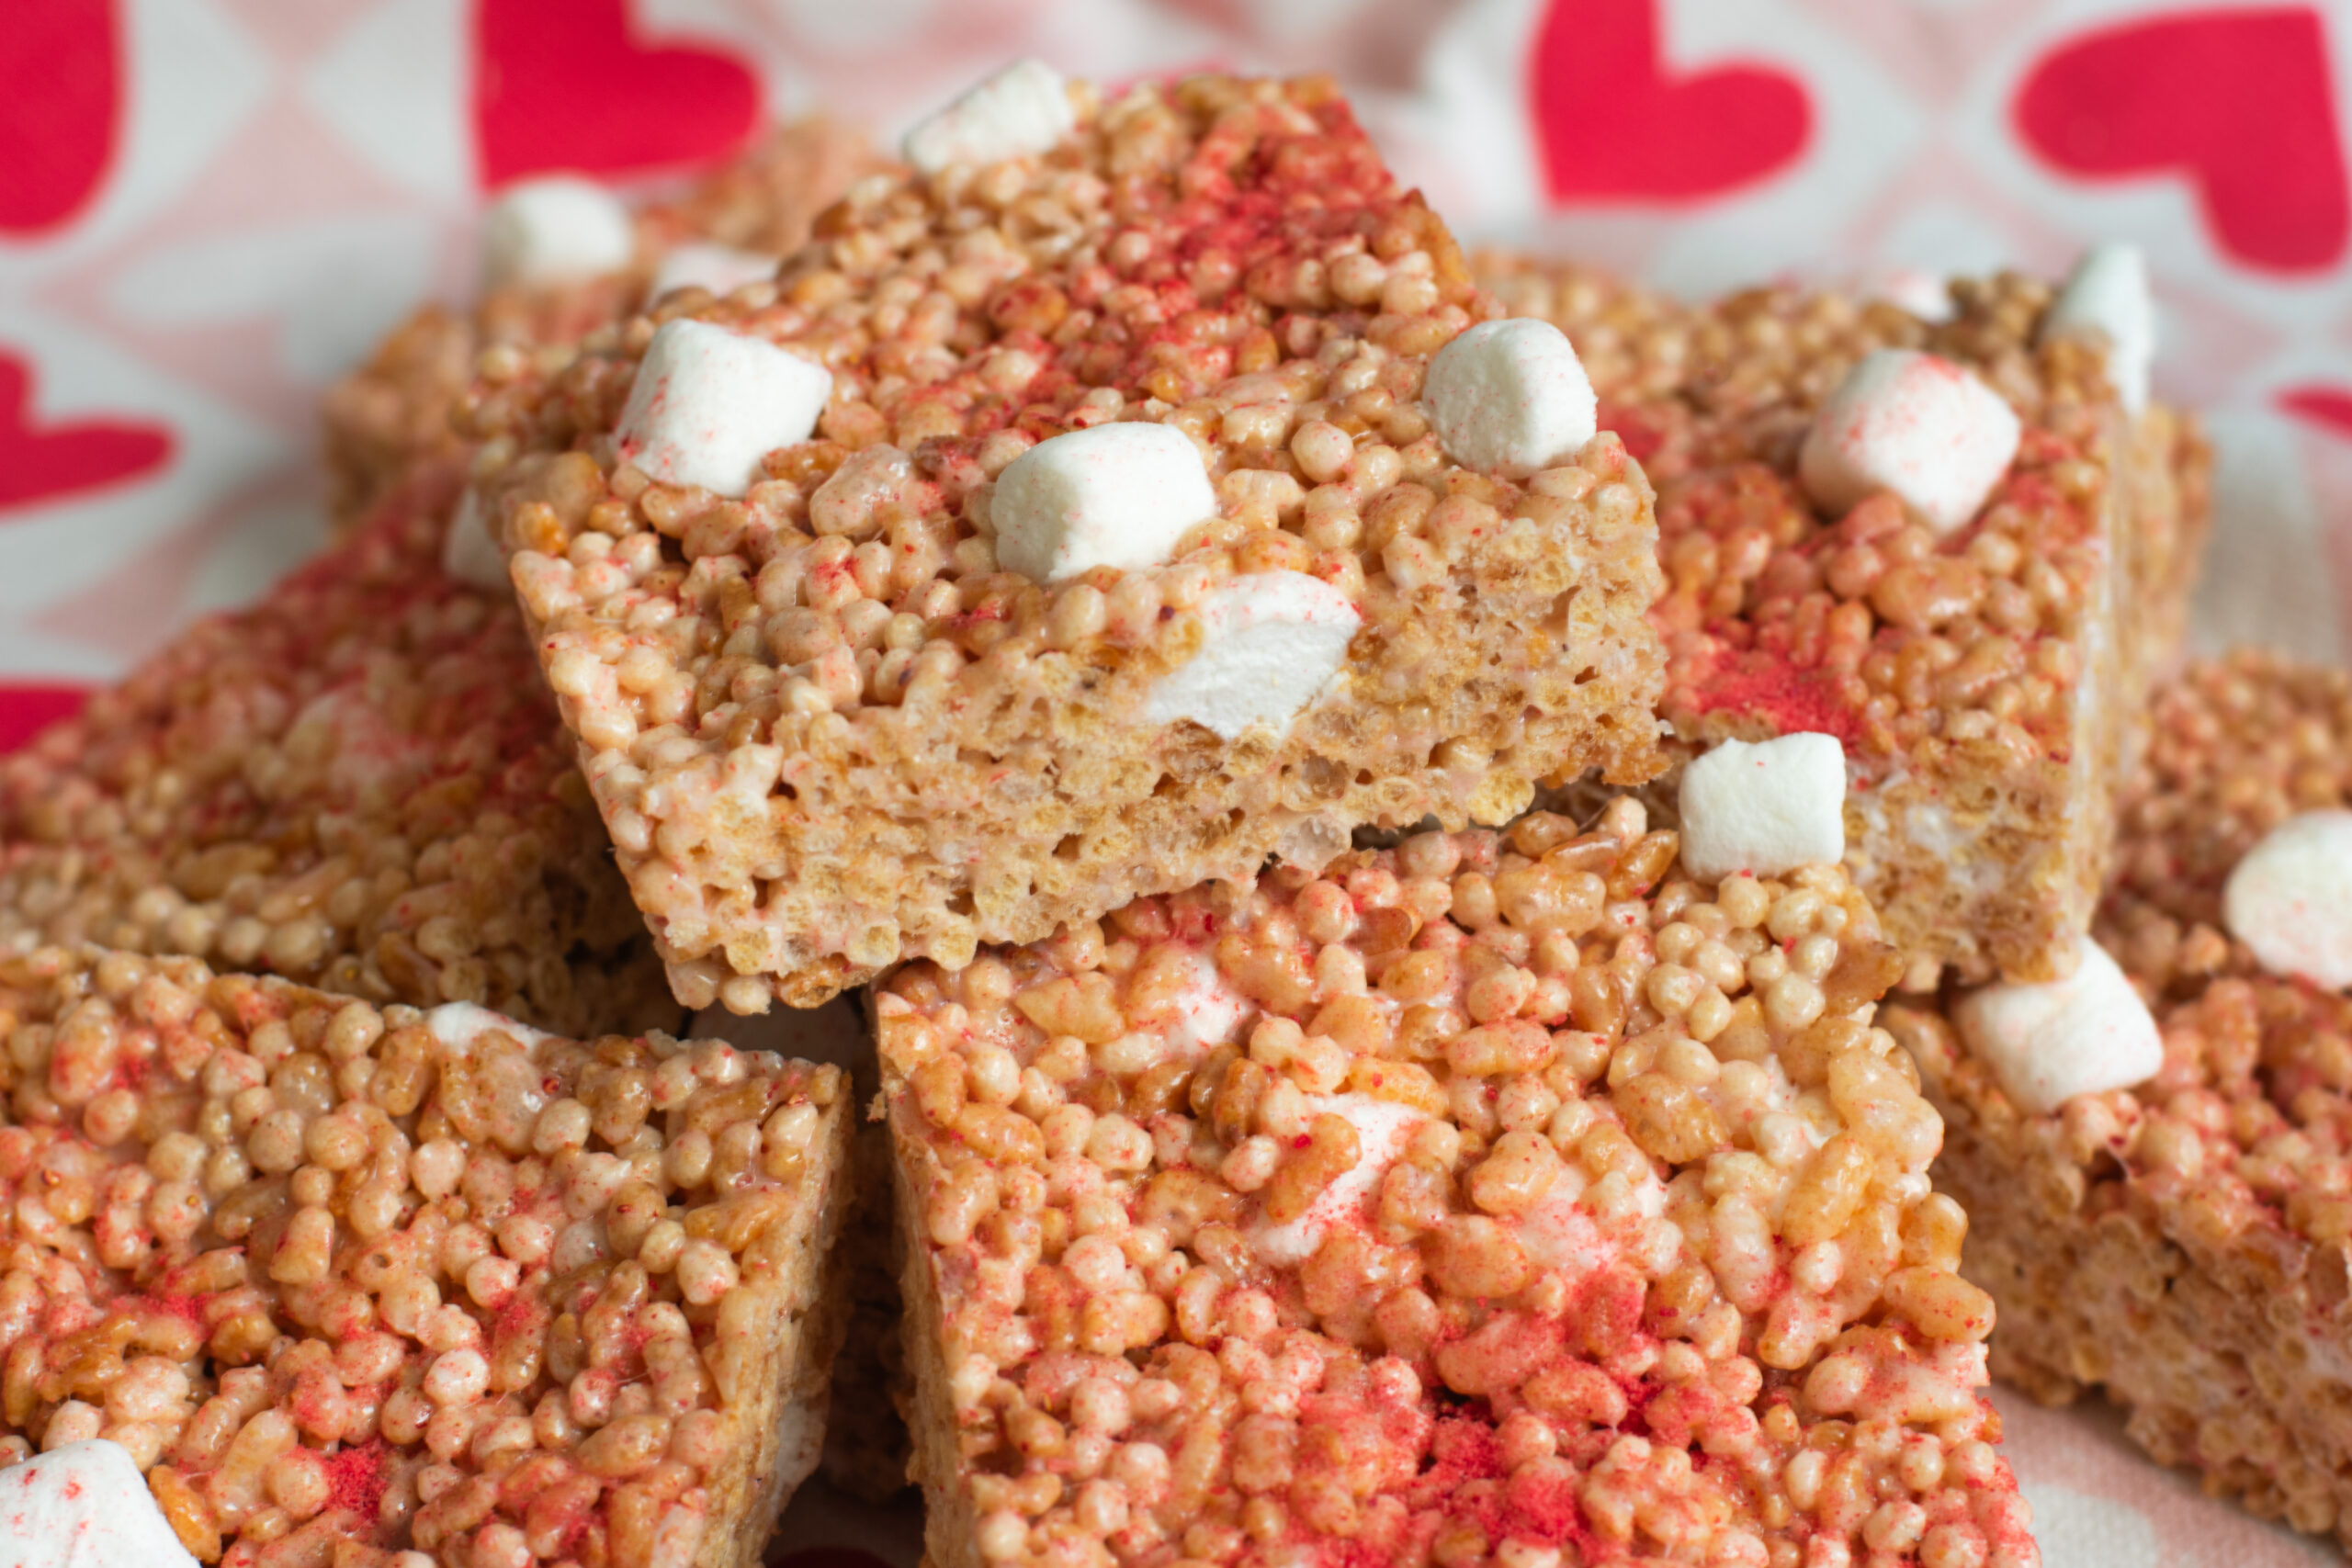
(352, 1285)
(1539, 1204)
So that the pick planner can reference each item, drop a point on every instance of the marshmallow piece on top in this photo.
(2291, 898)
(84, 1505)
(2106, 298)
(1765, 808)
(722, 270)
(557, 229)
(1511, 397)
(2047, 1044)
(467, 552)
(1023, 109)
(1923, 294)
(1271, 642)
(1115, 495)
(709, 404)
(1909, 422)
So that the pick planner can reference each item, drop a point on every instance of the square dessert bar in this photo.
(359, 783)
(1491, 1199)
(394, 410)
(2186, 1244)
(376, 1288)
(831, 729)
(1986, 665)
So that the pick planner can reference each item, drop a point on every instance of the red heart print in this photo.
(2330, 408)
(2241, 102)
(566, 85)
(1612, 125)
(58, 102)
(28, 707)
(44, 462)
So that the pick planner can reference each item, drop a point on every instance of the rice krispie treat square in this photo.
(394, 410)
(1986, 667)
(378, 1288)
(1171, 368)
(2180, 1234)
(359, 783)
(1491, 1199)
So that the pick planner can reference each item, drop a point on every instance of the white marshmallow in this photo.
(559, 228)
(1023, 109)
(1923, 294)
(467, 552)
(1920, 426)
(84, 1505)
(2105, 298)
(1766, 808)
(2047, 1044)
(1272, 642)
(722, 270)
(456, 1025)
(2291, 898)
(1383, 1129)
(1511, 397)
(1116, 496)
(1204, 1011)
(709, 404)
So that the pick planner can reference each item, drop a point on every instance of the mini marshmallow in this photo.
(84, 1505)
(1115, 495)
(467, 552)
(2106, 299)
(2049, 1042)
(2290, 899)
(709, 404)
(1923, 294)
(722, 270)
(560, 228)
(1271, 642)
(1920, 426)
(1511, 397)
(1023, 109)
(1766, 808)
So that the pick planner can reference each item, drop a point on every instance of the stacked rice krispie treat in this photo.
(359, 784)
(1082, 515)
(562, 259)
(1961, 546)
(374, 1287)
(2162, 1206)
(1514, 1199)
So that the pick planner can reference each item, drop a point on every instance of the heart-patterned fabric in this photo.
(209, 208)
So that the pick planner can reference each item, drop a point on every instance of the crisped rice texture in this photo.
(359, 783)
(1488, 1199)
(828, 734)
(1989, 687)
(351, 1283)
(2186, 1245)
(392, 413)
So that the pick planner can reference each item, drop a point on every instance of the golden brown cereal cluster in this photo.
(828, 733)
(1495, 1198)
(355, 1284)
(2187, 1244)
(393, 413)
(1988, 687)
(358, 784)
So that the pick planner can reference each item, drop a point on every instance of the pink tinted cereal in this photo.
(2186, 1245)
(358, 784)
(1988, 685)
(828, 733)
(393, 411)
(300, 1354)
(1538, 1205)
